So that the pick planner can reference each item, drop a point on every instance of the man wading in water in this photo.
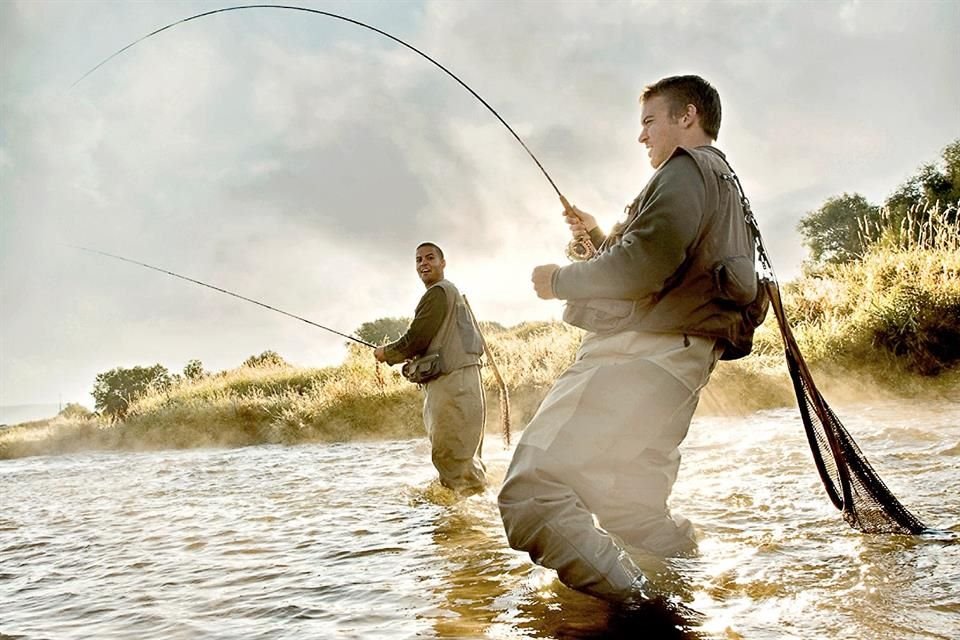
(661, 301)
(443, 348)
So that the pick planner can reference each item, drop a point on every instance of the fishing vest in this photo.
(458, 340)
(715, 291)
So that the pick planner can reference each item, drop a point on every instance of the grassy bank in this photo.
(885, 326)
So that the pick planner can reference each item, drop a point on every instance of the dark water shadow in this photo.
(574, 616)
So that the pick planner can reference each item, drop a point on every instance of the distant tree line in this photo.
(383, 330)
(115, 390)
(837, 231)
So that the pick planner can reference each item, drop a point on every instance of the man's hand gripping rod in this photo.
(581, 247)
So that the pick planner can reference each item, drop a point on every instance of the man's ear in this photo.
(690, 116)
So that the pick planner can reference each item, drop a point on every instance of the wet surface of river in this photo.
(354, 541)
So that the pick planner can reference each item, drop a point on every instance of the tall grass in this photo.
(897, 307)
(284, 404)
(886, 324)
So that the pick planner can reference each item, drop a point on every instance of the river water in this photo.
(355, 541)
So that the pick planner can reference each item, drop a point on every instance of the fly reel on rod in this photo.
(580, 248)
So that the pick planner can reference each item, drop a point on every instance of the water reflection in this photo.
(473, 556)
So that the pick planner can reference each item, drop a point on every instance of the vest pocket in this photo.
(600, 315)
(735, 280)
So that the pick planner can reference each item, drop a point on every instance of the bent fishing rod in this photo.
(353, 21)
(221, 290)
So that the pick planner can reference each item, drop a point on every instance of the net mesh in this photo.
(852, 484)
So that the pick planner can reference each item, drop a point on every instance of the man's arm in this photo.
(653, 247)
(431, 311)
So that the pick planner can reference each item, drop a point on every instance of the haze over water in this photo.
(355, 541)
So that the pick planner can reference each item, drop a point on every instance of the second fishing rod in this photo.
(222, 290)
(501, 385)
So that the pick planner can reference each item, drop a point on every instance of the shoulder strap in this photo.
(751, 222)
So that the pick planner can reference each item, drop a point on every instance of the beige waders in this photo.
(454, 413)
(604, 443)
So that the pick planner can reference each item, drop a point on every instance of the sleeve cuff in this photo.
(597, 237)
(392, 355)
(554, 282)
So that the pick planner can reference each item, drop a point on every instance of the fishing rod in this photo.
(580, 248)
(229, 293)
(358, 23)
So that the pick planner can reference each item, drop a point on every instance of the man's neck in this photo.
(697, 139)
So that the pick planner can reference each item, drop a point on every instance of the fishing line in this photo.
(221, 290)
(359, 24)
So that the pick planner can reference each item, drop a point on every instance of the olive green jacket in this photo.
(683, 261)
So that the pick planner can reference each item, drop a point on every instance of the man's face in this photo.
(430, 265)
(660, 133)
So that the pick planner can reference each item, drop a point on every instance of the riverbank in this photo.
(886, 326)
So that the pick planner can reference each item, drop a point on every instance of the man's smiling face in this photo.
(430, 265)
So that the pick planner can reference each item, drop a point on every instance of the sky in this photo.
(298, 160)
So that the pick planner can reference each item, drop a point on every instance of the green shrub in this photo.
(266, 359)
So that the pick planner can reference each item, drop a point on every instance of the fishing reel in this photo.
(580, 249)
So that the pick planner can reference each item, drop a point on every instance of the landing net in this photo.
(852, 484)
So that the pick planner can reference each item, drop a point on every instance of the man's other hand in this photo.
(380, 354)
(542, 279)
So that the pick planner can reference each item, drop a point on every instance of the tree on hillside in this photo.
(934, 182)
(75, 410)
(951, 168)
(382, 330)
(193, 370)
(114, 390)
(266, 359)
(832, 232)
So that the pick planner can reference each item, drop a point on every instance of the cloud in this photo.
(298, 160)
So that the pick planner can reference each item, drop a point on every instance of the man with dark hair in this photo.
(444, 340)
(661, 302)
(435, 248)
